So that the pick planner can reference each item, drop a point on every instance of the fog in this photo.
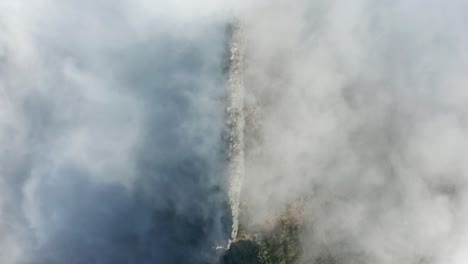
(359, 110)
(114, 133)
(112, 123)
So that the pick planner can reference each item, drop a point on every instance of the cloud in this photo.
(359, 108)
(113, 114)
(112, 123)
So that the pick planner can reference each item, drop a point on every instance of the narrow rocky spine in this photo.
(236, 121)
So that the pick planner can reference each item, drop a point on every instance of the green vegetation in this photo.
(281, 245)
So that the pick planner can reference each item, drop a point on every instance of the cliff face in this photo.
(277, 238)
(236, 122)
(277, 241)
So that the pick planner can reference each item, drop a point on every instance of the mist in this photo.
(111, 125)
(358, 110)
(114, 130)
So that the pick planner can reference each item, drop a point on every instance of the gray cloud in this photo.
(112, 123)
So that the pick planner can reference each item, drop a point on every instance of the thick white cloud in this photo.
(361, 110)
